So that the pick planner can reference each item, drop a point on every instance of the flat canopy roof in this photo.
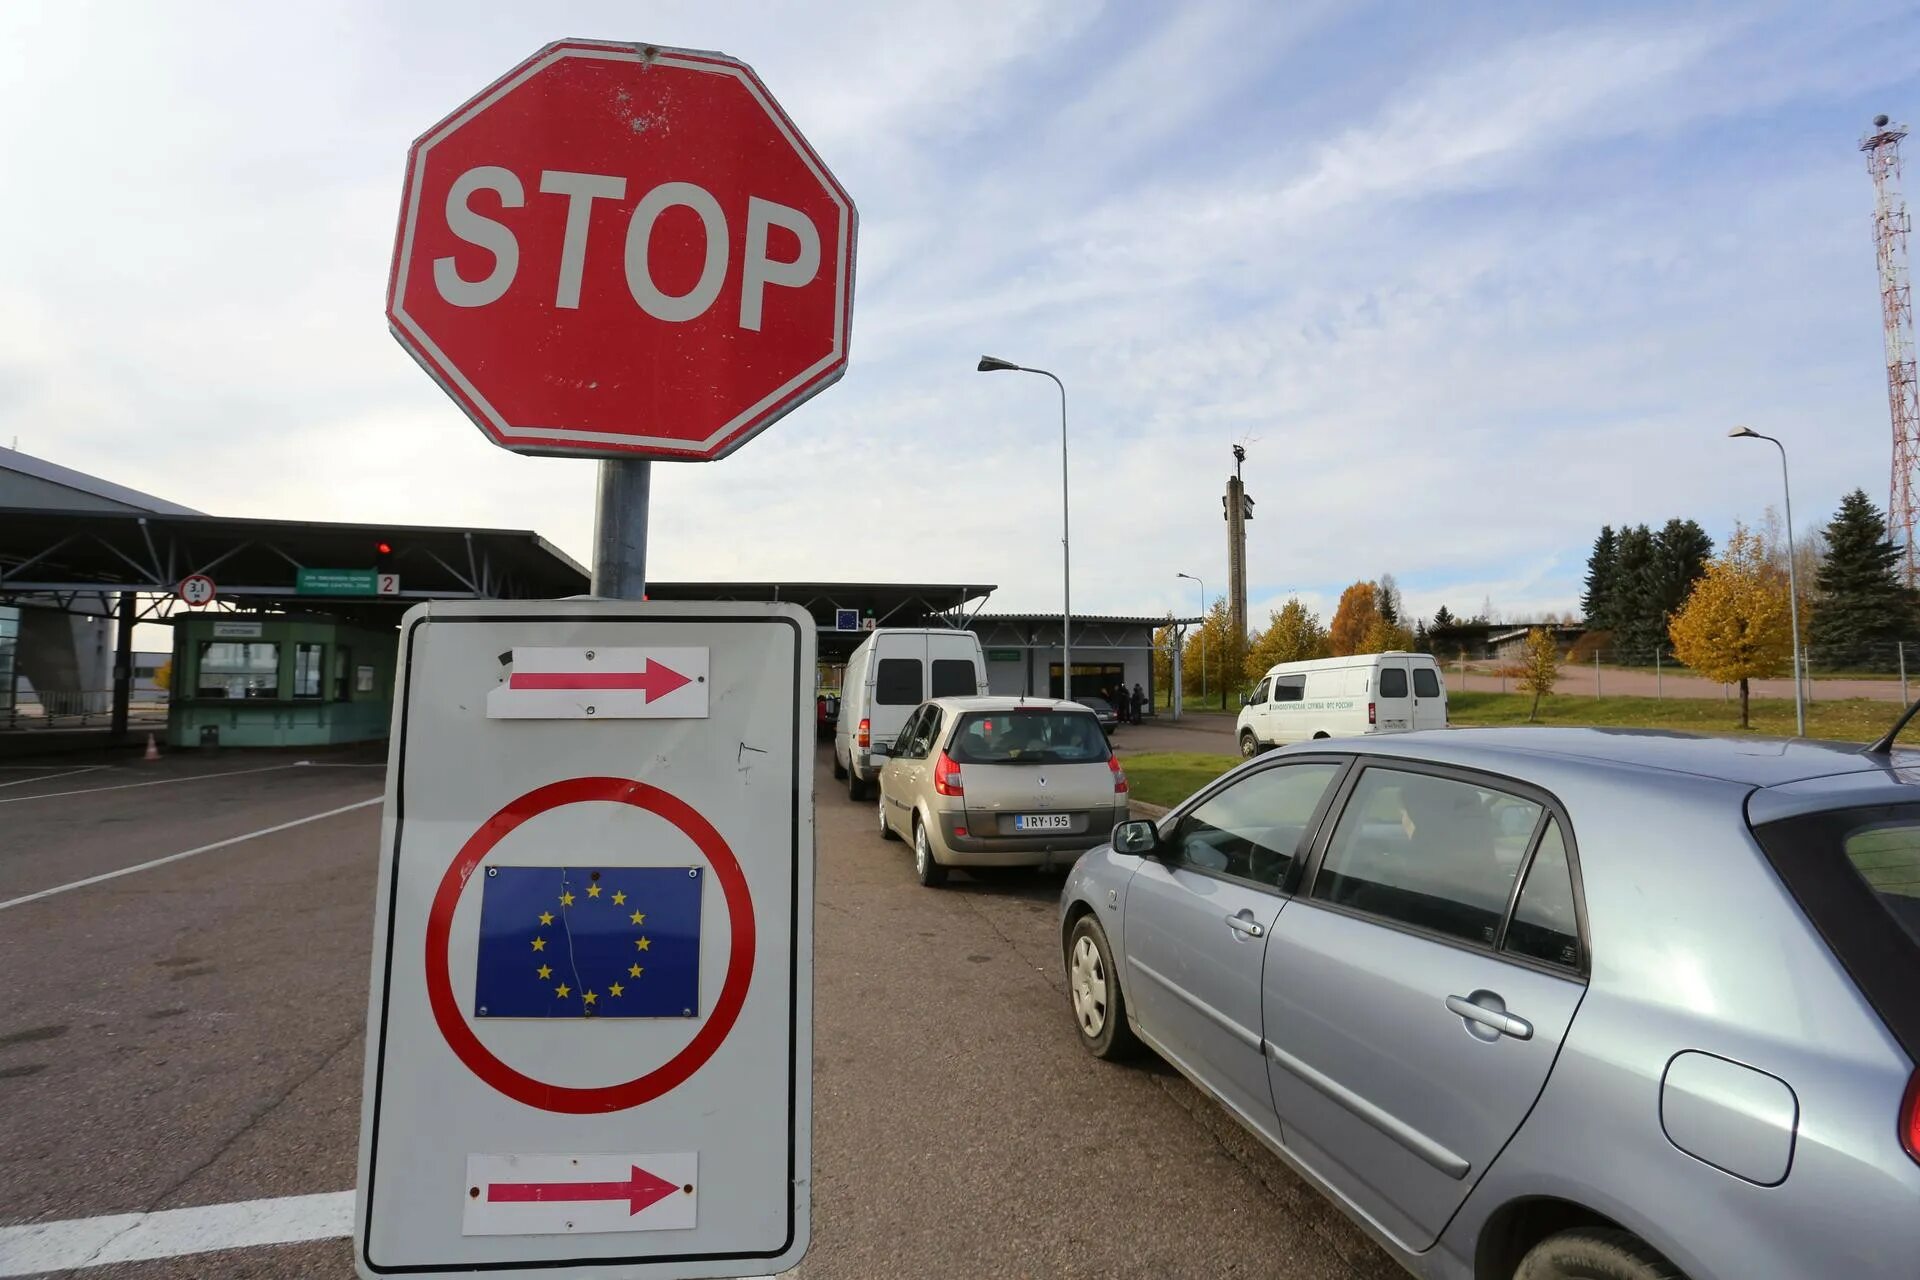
(889, 604)
(70, 557)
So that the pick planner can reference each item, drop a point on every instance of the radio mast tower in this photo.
(1890, 227)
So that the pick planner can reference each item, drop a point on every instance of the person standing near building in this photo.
(1139, 702)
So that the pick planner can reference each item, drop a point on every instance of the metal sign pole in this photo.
(620, 529)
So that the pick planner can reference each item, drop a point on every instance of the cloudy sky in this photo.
(1469, 280)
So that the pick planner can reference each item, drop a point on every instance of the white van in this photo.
(1341, 698)
(893, 671)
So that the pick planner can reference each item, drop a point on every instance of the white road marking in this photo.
(131, 1237)
(21, 782)
(156, 782)
(35, 1247)
(175, 857)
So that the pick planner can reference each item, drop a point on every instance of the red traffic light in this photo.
(383, 548)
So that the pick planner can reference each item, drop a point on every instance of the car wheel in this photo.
(839, 770)
(1595, 1253)
(857, 790)
(886, 832)
(930, 873)
(1249, 745)
(1093, 988)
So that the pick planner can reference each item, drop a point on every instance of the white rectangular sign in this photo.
(590, 1024)
(223, 630)
(582, 682)
(577, 1195)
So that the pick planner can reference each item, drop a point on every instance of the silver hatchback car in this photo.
(1544, 1003)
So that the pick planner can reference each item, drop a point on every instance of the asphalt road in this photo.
(191, 1034)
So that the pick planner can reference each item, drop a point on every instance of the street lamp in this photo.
(1793, 588)
(993, 364)
(1203, 632)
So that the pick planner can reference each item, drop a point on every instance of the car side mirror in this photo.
(1139, 838)
(880, 750)
(1246, 699)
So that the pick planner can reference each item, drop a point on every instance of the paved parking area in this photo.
(189, 1034)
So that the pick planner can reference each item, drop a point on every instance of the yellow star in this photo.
(638, 917)
(588, 998)
(593, 891)
(633, 971)
(645, 944)
(544, 971)
(562, 990)
(619, 896)
(615, 989)
(546, 917)
(566, 899)
(539, 944)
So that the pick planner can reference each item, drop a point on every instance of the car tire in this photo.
(886, 832)
(857, 791)
(1595, 1253)
(839, 770)
(1249, 745)
(1093, 993)
(925, 868)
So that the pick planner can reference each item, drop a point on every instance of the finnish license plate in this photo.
(1043, 822)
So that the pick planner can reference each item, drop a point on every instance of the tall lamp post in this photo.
(993, 364)
(1203, 631)
(1793, 587)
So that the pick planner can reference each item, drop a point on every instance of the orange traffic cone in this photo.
(153, 749)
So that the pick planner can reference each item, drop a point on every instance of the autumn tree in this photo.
(1353, 619)
(1214, 643)
(1539, 668)
(1293, 634)
(1384, 635)
(163, 676)
(1163, 645)
(1734, 627)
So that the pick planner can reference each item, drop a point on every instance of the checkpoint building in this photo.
(298, 643)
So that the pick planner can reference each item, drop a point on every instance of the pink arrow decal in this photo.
(639, 1190)
(655, 680)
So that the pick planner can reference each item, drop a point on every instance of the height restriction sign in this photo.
(589, 1033)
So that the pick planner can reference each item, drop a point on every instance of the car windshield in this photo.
(1028, 737)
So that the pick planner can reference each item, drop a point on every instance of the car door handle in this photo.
(1244, 922)
(1505, 1023)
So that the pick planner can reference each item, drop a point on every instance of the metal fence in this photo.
(1888, 672)
(78, 709)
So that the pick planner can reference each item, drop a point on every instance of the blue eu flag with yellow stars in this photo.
(574, 942)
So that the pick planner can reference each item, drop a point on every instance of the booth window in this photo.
(238, 669)
(342, 667)
(307, 670)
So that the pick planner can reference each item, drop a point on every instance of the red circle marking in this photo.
(189, 581)
(733, 991)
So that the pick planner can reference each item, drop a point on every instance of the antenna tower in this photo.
(1890, 226)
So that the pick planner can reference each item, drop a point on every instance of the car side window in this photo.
(1254, 828)
(1425, 683)
(1290, 688)
(1546, 923)
(1260, 694)
(903, 741)
(1435, 853)
(927, 733)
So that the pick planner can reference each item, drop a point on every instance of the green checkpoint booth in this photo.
(279, 680)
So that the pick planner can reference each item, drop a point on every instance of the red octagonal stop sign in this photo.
(623, 250)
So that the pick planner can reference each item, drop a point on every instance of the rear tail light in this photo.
(866, 733)
(1370, 719)
(946, 776)
(1910, 1118)
(1119, 775)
